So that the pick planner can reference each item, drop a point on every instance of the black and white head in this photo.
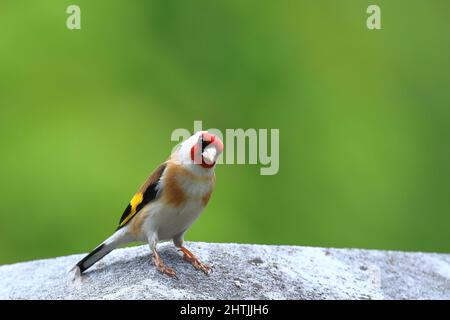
(199, 151)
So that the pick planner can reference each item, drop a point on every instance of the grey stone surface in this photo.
(240, 272)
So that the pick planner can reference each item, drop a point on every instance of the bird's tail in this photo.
(100, 251)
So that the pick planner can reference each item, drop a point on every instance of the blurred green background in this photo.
(364, 119)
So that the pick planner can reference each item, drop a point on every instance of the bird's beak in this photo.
(209, 154)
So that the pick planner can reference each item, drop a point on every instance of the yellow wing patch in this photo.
(137, 199)
(146, 194)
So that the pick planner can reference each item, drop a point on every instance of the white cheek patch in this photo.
(209, 154)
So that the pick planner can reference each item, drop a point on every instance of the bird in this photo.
(167, 204)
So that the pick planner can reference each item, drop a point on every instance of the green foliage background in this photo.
(364, 118)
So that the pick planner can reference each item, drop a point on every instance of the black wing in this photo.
(146, 194)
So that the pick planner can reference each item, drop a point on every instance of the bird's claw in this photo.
(168, 271)
(164, 269)
(198, 264)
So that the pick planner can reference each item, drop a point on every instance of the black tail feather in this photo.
(96, 254)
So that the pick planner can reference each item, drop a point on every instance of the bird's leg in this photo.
(161, 266)
(189, 256)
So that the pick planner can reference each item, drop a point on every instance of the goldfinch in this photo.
(167, 204)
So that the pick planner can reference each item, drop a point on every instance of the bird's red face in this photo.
(207, 149)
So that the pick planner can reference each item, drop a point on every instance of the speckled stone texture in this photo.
(240, 272)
